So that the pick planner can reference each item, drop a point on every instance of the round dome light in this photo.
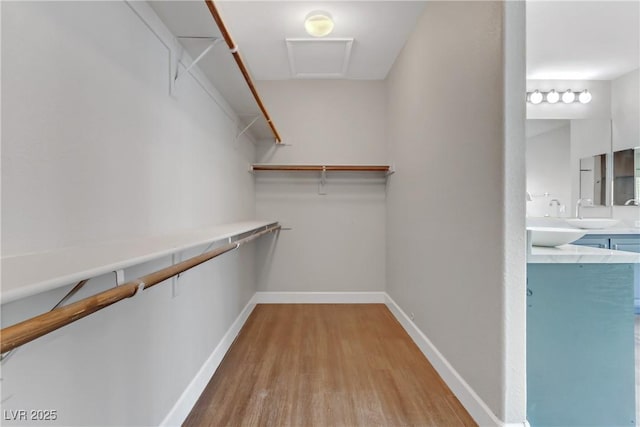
(568, 97)
(584, 97)
(553, 97)
(535, 97)
(318, 23)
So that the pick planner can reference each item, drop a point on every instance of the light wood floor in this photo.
(326, 365)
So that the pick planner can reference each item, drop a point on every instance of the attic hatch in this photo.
(319, 58)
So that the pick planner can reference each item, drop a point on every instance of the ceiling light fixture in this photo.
(568, 96)
(553, 96)
(535, 97)
(584, 97)
(318, 23)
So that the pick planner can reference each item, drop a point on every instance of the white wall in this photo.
(338, 239)
(548, 158)
(94, 148)
(625, 114)
(625, 110)
(455, 215)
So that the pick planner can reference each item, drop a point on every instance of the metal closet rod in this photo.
(328, 168)
(243, 69)
(35, 327)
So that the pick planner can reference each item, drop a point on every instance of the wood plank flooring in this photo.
(326, 365)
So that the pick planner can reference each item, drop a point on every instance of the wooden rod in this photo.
(30, 329)
(343, 168)
(35, 327)
(243, 69)
(160, 276)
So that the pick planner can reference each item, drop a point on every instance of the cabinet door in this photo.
(630, 243)
(593, 241)
(580, 347)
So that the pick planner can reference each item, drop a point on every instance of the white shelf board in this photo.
(29, 274)
(192, 18)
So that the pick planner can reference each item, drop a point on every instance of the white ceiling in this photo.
(582, 40)
(566, 40)
(379, 30)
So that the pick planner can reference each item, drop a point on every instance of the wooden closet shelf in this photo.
(320, 168)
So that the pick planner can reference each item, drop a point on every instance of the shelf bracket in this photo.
(323, 182)
(64, 299)
(119, 277)
(246, 128)
(175, 280)
(214, 41)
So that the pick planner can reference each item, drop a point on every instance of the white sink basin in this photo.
(592, 223)
(552, 236)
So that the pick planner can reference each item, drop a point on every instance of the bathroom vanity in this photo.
(580, 336)
(623, 239)
(619, 239)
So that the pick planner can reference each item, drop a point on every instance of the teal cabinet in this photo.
(618, 242)
(580, 345)
(628, 243)
(593, 241)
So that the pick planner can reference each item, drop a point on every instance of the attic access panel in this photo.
(191, 23)
(319, 58)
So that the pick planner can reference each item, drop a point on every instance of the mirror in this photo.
(567, 160)
(591, 155)
(593, 178)
(626, 177)
(548, 161)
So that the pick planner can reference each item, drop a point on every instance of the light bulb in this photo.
(568, 97)
(318, 23)
(553, 97)
(535, 97)
(584, 97)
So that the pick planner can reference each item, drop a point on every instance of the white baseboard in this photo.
(476, 407)
(191, 394)
(319, 298)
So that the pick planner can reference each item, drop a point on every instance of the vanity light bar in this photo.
(553, 96)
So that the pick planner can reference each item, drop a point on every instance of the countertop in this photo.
(613, 231)
(569, 254)
(619, 228)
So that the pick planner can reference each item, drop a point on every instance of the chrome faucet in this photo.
(631, 202)
(579, 204)
(557, 202)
